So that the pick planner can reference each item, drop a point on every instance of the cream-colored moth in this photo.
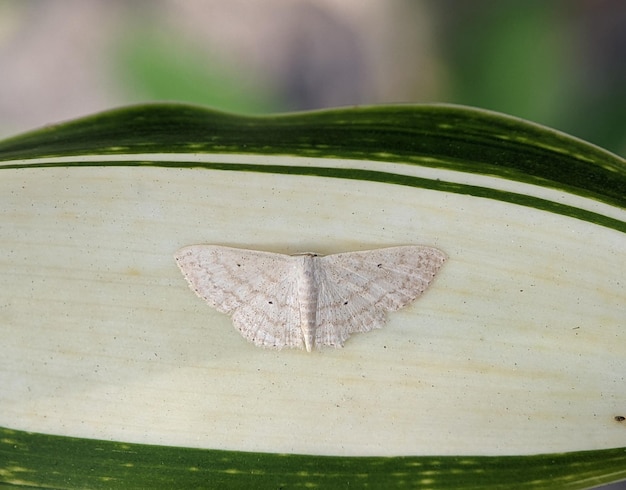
(308, 300)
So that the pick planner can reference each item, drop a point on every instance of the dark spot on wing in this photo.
(345, 302)
(379, 265)
(238, 265)
(620, 418)
(270, 302)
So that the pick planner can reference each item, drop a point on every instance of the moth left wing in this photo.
(256, 288)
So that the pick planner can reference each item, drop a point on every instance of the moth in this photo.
(307, 300)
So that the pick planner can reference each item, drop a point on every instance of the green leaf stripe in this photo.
(436, 136)
(46, 461)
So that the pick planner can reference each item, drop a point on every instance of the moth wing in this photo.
(258, 289)
(356, 289)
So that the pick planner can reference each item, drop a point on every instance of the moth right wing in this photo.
(357, 289)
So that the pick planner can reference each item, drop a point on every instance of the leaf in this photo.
(511, 361)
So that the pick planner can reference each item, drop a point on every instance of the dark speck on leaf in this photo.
(379, 265)
(620, 418)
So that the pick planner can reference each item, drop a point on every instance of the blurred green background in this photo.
(561, 63)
